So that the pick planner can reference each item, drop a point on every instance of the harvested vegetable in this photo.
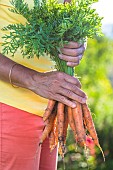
(48, 127)
(72, 122)
(91, 127)
(49, 109)
(49, 26)
(80, 130)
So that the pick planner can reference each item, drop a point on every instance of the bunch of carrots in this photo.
(58, 116)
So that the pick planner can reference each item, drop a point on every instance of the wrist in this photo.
(36, 80)
(23, 77)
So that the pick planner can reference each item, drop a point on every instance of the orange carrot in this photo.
(71, 121)
(53, 137)
(49, 109)
(90, 126)
(56, 131)
(60, 123)
(78, 118)
(48, 127)
(89, 123)
(60, 119)
(62, 146)
(65, 125)
(52, 140)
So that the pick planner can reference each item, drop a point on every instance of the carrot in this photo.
(56, 131)
(90, 126)
(52, 140)
(60, 123)
(48, 127)
(60, 119)
(89, 123)
(62, 146)
(53, 137)
(78, 118)
(71, 121)
(49, 109)
(65, 125)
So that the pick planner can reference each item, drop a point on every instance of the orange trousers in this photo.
(20, 133)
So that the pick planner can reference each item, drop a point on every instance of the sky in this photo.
(105, 9)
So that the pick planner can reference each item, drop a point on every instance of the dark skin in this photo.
(51, 85)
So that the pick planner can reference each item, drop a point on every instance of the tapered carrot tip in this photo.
(102, 152)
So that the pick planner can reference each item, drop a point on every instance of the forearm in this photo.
(20, 75)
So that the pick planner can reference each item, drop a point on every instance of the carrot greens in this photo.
(48, 26)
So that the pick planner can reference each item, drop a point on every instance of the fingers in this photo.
(72, 80)
(72, 44)
(71, 89)
(71, 61)
(61, 87)
(73, 51)
(74, 89)
(71, 95)
(65, 100)
(72, 64)
(70, 58)
(70, 99)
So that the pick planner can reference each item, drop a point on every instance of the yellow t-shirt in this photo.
(19, 97)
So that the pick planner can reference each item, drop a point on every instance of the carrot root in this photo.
(49, 109)
(78, 119)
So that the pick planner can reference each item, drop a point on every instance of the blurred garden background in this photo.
(96, 75)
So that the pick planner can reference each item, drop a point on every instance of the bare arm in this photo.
(20, 76)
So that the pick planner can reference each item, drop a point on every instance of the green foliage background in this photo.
(96, 74)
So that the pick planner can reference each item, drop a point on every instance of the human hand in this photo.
(58, 86)
(72, 53)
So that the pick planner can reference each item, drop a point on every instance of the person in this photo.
(25, 87)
